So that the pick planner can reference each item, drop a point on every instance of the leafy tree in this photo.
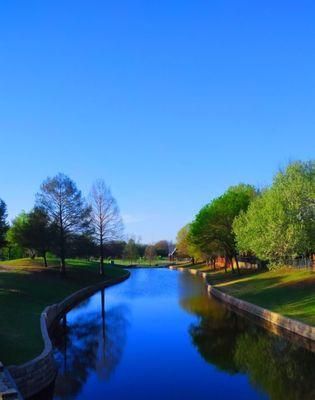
(39, 233)
(182, 242)
(114, 249)
(141, 249)
(281, 222)
(82, 246)
(3, 223)
(131, 252)
(106, 220)
(150, 253)
(161, 248)
(184, 245)
(60, 198)
(18, 233)
(212, 232)
(33, 232)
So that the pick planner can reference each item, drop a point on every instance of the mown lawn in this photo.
(142, 262)
(26, 288)
(287, 291)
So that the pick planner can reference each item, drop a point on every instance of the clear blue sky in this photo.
(169, 101)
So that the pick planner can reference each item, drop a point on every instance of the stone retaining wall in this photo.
(291, 325)
(35, 375)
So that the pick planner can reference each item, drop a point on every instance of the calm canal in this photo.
(158, 336)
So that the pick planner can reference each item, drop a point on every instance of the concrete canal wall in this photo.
(291, 325)
(35, 375)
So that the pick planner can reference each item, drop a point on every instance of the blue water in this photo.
(159, 336)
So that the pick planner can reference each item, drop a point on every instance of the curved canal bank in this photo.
(305, 331)
(38, 373)
(160, 334)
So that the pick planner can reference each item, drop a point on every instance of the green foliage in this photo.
(62, 201)
(131, 252)
(150, 253)
(3, 223)
(16, 234)
(211, 230)
(280, 222)
(32, 232)
(184, 245)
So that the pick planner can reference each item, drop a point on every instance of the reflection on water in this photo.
(93, 343)
(158, 335)
(234, 344)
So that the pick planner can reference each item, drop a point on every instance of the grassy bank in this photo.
(26, 288)
(142, 262)
(286, 291)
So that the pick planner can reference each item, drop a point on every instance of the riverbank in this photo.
(26, 289)
(141, 262)
(286, 291)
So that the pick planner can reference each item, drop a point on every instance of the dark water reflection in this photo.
(159, 336)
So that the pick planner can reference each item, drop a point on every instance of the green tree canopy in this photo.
(3, 223)
(33, 232)
(131, 252)
(184, 245)
(212, 229)
(280, 222)
(62, 201)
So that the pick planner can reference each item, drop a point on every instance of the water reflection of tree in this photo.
(93, 342)
(280, 368)
(234, 344)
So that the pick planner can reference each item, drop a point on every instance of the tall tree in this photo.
(212, 228)
(16, 235)
(185, 247)
(33, 232)
(280, 223)
(161, 248)
(40, 234)
(131, 251)
(3, 223)
(106, 220)
(66, 209)
(150, 253)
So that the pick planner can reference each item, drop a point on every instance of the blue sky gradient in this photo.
(169, 101)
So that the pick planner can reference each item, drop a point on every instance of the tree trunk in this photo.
(62, 257)
(101, 258)
(231, 261)
(225, 264)
(237, 265)
(45, 259)
(214, 263)
(62, 250)
(63, 265)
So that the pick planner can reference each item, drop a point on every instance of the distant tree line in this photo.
(272, 224)
(67, 225)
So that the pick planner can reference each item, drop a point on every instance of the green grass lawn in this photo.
(142, 262)
(288, 292)
(26, 288)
